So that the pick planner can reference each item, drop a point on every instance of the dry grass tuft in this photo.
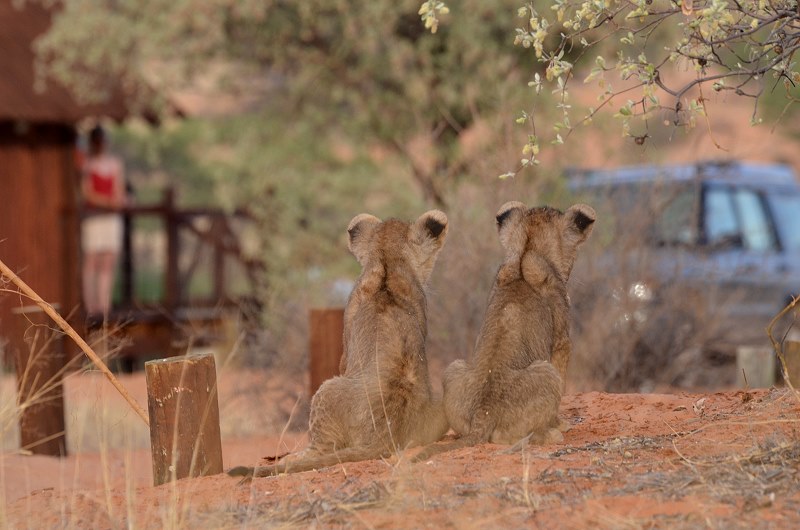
(755, 477)
(299, 509)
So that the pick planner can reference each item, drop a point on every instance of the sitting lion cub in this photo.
(382, 402)
(511, 388)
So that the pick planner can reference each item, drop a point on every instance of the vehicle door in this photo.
(741, 250)
(784, 205)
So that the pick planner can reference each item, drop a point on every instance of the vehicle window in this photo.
(786, 210)
(757, 233)
(720, 217)
(676, 224)
(664, 214)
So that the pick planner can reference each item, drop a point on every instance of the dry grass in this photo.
(754, 477)
(102, 432)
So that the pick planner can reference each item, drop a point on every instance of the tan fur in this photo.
(382, 402)
(511, 387)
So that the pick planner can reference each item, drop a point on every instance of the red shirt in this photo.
(103, 180)
(102, 184)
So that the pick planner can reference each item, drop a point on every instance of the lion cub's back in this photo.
(521, 324)
(380, 332)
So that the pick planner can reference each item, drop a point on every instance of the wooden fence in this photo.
(193, 278)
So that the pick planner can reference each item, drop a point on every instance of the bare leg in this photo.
(107, 263)
(90, 266)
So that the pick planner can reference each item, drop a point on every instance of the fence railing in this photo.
(183, 273)
(201, 264)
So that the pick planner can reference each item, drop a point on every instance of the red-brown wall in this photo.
(38, 221)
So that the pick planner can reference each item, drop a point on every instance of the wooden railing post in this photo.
(219, 233)
(184, 417)
(126, 265)
(171, 286)
(326, 332)
(40, 368)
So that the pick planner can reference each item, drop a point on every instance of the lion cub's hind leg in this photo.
(430, 424)
(332, 409)
(531, 412)
(552, 436)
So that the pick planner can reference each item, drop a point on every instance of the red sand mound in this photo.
(725, 460)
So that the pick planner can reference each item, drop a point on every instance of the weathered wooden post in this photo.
(757, 365)
(791, 355)
(326, 332)
(184, 417)
(40, 368)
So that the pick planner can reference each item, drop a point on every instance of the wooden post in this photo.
(757, 365)
(325, 344)
(40, 368)
(184, 417)
(791, 354)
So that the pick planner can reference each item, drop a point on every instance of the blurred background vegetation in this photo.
(308, 113)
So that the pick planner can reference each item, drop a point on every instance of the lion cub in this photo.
(511, 387)
(383, 401)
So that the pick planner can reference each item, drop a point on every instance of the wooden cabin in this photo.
(40, 211)
(40, 216)
(39, 219)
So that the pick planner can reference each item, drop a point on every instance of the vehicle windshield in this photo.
(786, 208)
(662, 213)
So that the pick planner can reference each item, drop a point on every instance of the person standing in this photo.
(103, 188)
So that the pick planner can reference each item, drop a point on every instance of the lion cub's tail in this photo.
(307, 463)
(467, 440)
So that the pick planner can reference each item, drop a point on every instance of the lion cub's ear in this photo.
(430, 229)
(428, 234)
(358, 232)
(510, 229)
(580, 222)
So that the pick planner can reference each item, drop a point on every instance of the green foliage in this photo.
(178, 155)
(283, 166)
(370, 63)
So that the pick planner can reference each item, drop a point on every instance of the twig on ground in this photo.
(779, 349)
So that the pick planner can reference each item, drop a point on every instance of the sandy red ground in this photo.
(729, 459)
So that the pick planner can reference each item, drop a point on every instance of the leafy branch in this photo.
(731, 45)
